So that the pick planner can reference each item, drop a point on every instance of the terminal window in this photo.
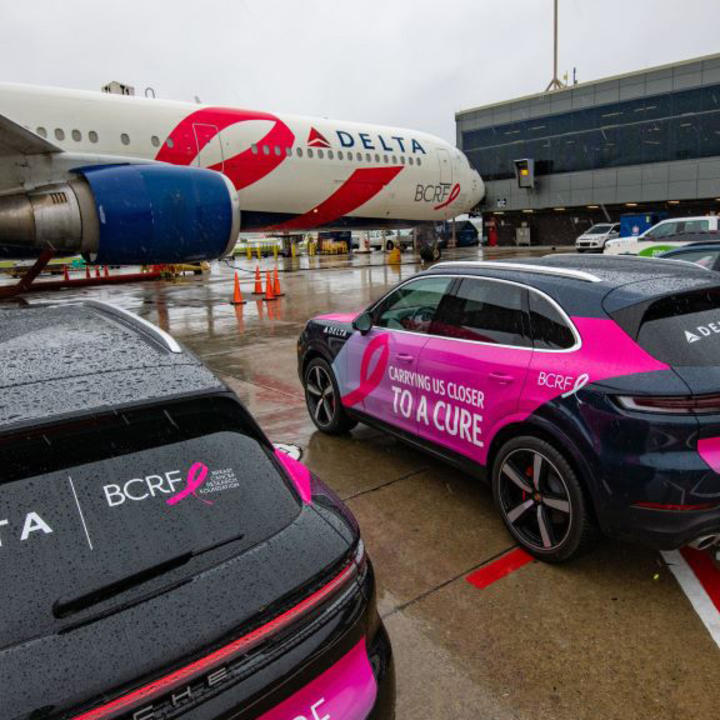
(673, 126)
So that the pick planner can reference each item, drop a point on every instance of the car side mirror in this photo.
(363, 323)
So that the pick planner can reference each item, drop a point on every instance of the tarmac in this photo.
(611, 635)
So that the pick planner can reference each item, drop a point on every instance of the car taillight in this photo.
(673, 404)
(227, 653)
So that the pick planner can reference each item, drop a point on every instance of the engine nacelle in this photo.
(125, 214)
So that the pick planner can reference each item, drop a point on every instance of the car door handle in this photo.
(405, 357)
(502, 378)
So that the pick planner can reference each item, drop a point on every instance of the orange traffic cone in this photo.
(237, 294)
(107, 272)
(66, 274)
(87, 272)
(277, 292)
(269, 295)
(258, 282)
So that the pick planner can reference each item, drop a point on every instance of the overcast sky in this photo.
(410, 63)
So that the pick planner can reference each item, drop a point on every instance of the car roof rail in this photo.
(523, 267)
(147, 327)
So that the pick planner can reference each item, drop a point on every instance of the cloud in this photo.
(411, 63)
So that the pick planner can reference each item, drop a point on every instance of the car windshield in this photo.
(598, 229)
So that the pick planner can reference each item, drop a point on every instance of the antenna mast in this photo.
(555, 83)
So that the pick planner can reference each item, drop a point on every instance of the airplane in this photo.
(135, 180)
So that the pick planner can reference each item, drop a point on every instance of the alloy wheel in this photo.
(535, 500)
(320, 395)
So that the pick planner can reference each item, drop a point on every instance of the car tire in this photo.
(541, 500)
(322, 397)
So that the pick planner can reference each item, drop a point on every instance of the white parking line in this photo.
(695, 592)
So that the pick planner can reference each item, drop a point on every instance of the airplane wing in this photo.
(16, 140)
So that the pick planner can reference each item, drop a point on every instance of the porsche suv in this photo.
(160, 558)
(585, 389)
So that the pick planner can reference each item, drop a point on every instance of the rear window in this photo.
(105, 508)
(683, 329)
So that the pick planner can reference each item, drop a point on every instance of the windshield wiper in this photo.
(70, 605)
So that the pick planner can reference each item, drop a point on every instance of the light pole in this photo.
(555, 83)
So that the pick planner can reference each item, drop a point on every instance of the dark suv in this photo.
(586, 389)
(160, 558)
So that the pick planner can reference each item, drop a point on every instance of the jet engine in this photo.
(125, 214)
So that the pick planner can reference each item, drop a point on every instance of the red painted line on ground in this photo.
(706, 572)
(504, 565)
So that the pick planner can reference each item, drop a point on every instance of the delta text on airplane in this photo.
(135, 180)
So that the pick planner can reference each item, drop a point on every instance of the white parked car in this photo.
(663, 236)
(595, 237)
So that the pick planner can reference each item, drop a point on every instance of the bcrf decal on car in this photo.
(199, 480)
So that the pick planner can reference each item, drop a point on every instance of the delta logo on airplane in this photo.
(366, 141)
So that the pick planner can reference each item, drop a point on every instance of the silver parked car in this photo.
(595, 237)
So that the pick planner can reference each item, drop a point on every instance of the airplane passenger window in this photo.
(278, 151)
(330, 155)
(402, 159)
(377, 158)
(299, 152)
(321, 154)
(125, 139)
(41, 131)
(76, 136)
(394, 159)
(266, 149)
(385, 159)
(59, 133)
(310, 152)
(170, 142)
(288, 151)
(368, 157)
(418, 161)
(340, 155)
(92, 136)
(359, 157)
(411, 160)
(155, 141)
(254, 149)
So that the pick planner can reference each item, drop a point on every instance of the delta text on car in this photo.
(160, 558)
(586, 389)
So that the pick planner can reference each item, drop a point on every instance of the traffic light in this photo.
(525, 172)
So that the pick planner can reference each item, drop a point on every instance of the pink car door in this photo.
(380, 376)
(475, 361)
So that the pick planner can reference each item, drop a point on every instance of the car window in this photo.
(484, 311)
(706, 258)
(696, 226)
(412, 307)
(683, 329)
(598, 230)
(549, 328)
(114, 494)
(662, 230)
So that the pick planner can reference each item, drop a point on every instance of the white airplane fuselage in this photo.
(291, 173)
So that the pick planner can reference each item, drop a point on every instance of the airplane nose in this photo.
(478, 187)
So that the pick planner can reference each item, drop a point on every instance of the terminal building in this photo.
(646, 143)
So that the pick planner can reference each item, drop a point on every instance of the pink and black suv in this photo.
(587, 390)
(161, 559)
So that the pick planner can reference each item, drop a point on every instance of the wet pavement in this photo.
(608, 636)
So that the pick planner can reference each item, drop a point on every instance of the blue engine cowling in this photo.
(160, 213)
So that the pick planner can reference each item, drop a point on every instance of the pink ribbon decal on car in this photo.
(196, 476)
(370, 380)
